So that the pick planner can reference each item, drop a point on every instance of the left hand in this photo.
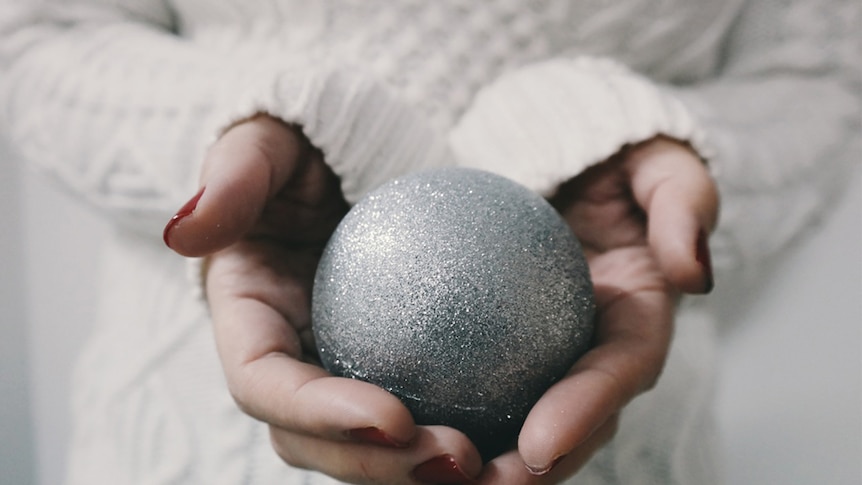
(642, 217)
(269, 206)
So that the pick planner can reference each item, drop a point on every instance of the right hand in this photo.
(642, 217)
(268, 207)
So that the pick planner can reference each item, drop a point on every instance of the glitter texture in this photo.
(462, 293)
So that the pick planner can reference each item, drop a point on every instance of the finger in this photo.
(241, 171)
(438, 454)
(633, 337)
(260, 352)
(509, 469)
(681, 201)
(597, 206)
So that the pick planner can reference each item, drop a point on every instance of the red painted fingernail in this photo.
(703, 257)
(374, 436)
(441, 469)
(184, 211)
(538, 471)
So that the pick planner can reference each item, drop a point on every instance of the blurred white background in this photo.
(789, 396)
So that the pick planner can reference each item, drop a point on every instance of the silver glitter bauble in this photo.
(461, 292)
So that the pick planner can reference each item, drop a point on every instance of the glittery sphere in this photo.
(461, 292)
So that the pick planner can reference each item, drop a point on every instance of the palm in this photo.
(602, 211)
(285, 245)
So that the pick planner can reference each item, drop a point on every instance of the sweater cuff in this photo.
(545, 123)
(367, 134)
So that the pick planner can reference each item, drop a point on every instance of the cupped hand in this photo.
(643, 218)
(268, 205)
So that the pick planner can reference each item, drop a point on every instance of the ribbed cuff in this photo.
(545, 123)
(367, 134)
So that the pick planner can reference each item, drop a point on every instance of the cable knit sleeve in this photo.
(779, 122)
(108, 98)
(784, 121)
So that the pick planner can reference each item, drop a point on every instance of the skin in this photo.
(268, 207)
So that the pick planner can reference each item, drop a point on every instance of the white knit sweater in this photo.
(118, 99)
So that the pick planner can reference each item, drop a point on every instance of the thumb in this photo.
(240, 173)
(676, 191)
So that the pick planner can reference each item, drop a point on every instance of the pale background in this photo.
(789, 397)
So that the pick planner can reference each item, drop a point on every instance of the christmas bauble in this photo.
(459, 291)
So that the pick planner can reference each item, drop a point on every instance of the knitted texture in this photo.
(537, 126)
(118, 100)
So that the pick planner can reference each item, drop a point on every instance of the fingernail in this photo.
(704, 258)
(374, 436)
(544, 470)
(184, 211)
(441, 469)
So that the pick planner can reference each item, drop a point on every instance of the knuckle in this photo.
(284, 451)
(649, 383)
(244, 389)
(652, 367)
(365, 474)
(610, 429)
